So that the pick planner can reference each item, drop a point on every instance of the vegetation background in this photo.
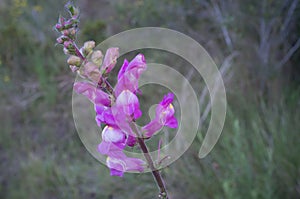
(255, 43)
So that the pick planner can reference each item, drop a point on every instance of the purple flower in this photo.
(110, 60)
(164, 117)
(120, 110)
(130, 73)
(125, 109)
(112, 145)
(120, 163)
(113, 139)
(104, 115)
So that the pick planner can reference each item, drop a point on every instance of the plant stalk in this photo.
(156, 174)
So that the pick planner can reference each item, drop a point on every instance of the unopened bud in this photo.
(61, 20)
(74, 60)
(97, 57)
(68, 44)
(72, 31)
(58, 27)
(72, 9)
(65, 32)
(68, 24)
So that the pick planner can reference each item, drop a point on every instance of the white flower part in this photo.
(127, 100)
(111, 134)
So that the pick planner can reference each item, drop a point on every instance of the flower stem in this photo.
(77, 51)
(156, 174)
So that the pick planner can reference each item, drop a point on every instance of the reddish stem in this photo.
(156, 174)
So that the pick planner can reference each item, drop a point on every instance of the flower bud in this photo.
(74, 60)
(58, 27)
(72, 9)
(68, 45)
(61, 20)
(65, 32)
(72, 31)
(68, 24)
(97, 57)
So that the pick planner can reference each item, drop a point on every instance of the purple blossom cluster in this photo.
(119, 110)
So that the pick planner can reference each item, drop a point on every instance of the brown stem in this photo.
(156, 174)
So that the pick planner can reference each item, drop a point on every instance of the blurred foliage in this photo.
(257, 155)
(93, 30)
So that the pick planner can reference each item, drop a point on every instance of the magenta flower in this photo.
(164, 117)
(118, 112)
(117, 108)
(130, 73)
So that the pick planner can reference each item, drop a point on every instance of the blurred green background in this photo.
(255, 43)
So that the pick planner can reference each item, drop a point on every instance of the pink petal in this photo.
(172, 122)
(124, 163)
(151, 128)
(131, 141)
(129, 74)
(168, 99)
(123, 68)
(110, 59)
(104, 115)
(94, 94)
(114, 172)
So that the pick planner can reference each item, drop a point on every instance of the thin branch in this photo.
(288, 17)
(223, 26)
(289, 54)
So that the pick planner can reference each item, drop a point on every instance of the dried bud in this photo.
(97, 57)
(74, 60)
(88, 47)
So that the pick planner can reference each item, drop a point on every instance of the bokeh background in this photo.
(255, 44)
